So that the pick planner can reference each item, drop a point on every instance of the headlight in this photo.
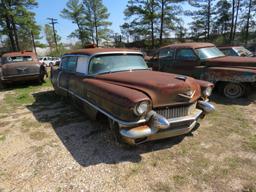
(207, 92)
(141, 108)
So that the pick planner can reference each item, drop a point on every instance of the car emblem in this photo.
(188, 94)
(22, 69)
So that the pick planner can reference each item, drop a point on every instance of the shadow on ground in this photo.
(89, 142)
(244, 101)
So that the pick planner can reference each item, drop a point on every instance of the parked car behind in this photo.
(21, 66)
(239, 51)
(141, 104)
(232, 76)
(47, 61)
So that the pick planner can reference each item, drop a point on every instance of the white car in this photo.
(47, 61)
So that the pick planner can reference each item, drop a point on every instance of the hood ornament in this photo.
(188, 94)
(181, 77)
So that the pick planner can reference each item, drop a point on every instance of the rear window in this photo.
(16, 59)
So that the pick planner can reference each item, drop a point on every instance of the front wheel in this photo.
(233, 90)
(115, 131)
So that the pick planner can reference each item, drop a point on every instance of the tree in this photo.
(50, 37)
(222, 19)
(168, 16)
(18, 23)
(202, 15)
(96, 19)
(75, 13)
(142, 16)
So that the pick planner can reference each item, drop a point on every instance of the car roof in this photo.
(19, 53)
(193, 45)
(92, 51)
(227, 47)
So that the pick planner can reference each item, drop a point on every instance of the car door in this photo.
(67, 69)
(76, 84)
(187, 63)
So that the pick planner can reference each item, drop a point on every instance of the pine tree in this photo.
(96, 20)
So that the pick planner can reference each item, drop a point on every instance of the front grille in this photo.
(177, 111)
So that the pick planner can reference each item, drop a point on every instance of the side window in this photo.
(82, 65)
(69, 63)
(166, 53)
(186, 54)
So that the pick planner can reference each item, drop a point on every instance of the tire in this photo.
(233, 90)
(114, 128)
(40, 79)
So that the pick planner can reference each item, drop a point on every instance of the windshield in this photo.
(209, 52)
(243, 52)
(117, 62)
(15, 59)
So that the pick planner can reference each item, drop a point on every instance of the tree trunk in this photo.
(80, 32)
(15, 34)
(232, 21)
(33, 42)
(10, 34)
(208, 18)
(162, 22)
(248, 22)
(235, 25)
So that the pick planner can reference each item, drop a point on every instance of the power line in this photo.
(53, 22)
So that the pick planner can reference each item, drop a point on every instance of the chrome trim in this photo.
(121, 122)
(192, 117)
(140, 132)
(206, 106)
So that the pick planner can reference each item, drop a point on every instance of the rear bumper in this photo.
(174, 127)
(23, 77)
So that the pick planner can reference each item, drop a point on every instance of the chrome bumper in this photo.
(158, 124)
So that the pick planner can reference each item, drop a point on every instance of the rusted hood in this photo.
(163, 88)
(20, 67)
(232, 61)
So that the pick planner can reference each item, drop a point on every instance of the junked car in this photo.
(140, 104)
(239, 51)
(233, 76)
(21, 66)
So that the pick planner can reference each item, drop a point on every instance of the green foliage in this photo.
(18, 23)
(91, 18)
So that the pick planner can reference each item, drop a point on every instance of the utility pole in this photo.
(53, 22)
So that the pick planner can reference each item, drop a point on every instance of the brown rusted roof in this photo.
(92, 51)
(19, 53)
(193, 45)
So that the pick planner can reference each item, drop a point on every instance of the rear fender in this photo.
(235, 75)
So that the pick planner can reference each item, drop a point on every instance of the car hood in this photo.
(163, 88)
(232, 61)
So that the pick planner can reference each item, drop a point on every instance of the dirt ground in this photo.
(47, 145)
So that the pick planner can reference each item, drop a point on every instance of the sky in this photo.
(52, 8)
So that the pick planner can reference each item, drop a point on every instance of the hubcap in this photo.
(233, 90)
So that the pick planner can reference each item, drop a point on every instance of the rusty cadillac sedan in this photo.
(21, 66)
(233, 76)
(140, 104)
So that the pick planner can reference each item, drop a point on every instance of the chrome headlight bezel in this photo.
(207, 91)
(141, 108)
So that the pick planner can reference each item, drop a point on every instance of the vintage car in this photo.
(239, 51)
(21, 66)
(233, 76)
(141, 104)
